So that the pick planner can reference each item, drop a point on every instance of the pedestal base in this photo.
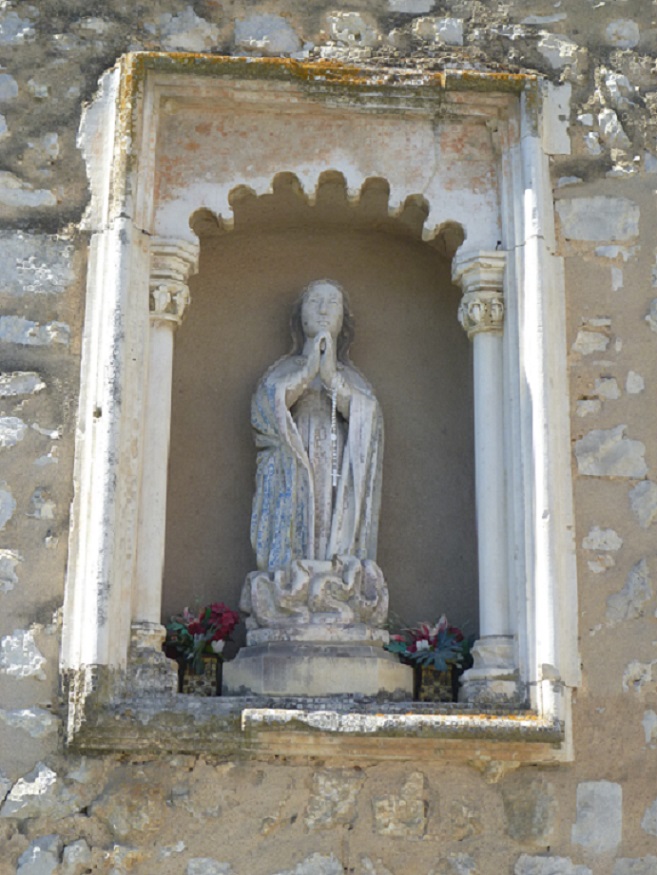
(303, 669)
(493, 679)
(149, 670)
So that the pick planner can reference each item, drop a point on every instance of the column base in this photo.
(304, 669)
(493, 679)
(149, 670)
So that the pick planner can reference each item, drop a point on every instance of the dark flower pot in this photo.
(208, 683)
(432, 685)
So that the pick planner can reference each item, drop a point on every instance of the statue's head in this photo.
(323, 306)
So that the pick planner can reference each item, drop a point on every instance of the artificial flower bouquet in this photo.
(438, 646)
(191, 636)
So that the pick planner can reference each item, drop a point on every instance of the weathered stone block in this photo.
(38, 90)
(588, 342)
(602, 539)
(643, 500)
(266, 35)
(464, 821)
(35, 263)
(588, 407)
(651, 317)
(294, 669)
(635, 866)
(5, 785)
(637, 675)
(373, 868)
(649, 821)
(403, 816)
(207, 866)
(20, 383)
(623, 33)
(41, 857)
(527, 865)
(131, 808)
(649, 723)
(598, 218)
(607, 388)
(353, 28)
(76, 858)
(629, 602)
(611, 130)
(316, 864)
(17, 192)
(186, 32)
(411, 6)
(40, 793)
(619, 89)
(558, 51)
(600, 564)
(20, 657)
(556, 116)
(531, 810)
(16, 329)
(598, 827)
(440, 30)
(42, 507)
(12, 431)
(8, 87)
(9, 561)
(592, 143)
(456, 864)
(608, 453)
(634, 383)
(333, 798)
(7, 505)
(15, 30)
(36, 722)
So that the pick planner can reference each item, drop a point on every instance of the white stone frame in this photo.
(138, 266)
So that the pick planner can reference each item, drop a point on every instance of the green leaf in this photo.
(396, 647)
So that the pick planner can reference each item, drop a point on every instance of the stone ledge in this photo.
(257, 727)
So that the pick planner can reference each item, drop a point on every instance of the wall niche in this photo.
(285, 166)
(409, 344)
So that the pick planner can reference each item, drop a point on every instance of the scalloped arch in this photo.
(331, 204)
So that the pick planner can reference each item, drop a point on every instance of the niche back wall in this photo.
(410, 347)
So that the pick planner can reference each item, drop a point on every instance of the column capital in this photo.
(172, 263)
(480, 275)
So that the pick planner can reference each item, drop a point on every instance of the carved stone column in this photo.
(172, 262)
(481, 313)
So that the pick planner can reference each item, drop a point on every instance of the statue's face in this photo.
(322, 310)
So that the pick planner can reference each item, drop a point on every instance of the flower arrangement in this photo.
(190, 636)
(439, 646)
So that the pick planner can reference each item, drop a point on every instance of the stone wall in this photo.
(66, 814)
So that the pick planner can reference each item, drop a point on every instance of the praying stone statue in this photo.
(319, 433)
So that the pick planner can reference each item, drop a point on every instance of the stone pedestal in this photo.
(149, 670)
(315, 629)
(493, 679)
(317, 669)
